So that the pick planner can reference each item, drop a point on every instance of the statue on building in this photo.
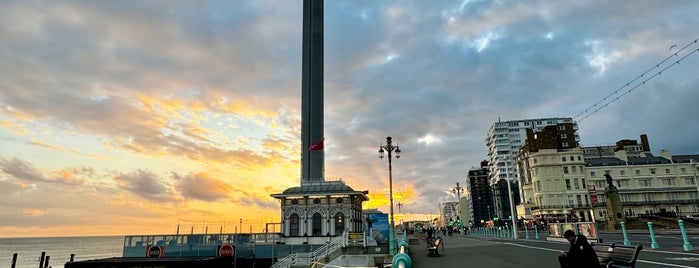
(609, 179)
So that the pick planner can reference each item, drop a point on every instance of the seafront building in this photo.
(567, 183)
(448, 213)
(503, 142)
(551, 174)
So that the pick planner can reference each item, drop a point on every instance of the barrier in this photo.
(401, 259)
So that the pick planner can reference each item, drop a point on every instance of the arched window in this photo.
(339, 223)
(317, 224)
(294, 225)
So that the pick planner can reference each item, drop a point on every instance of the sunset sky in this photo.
(129, 117)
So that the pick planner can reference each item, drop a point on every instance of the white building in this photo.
(569, 183)
(504, 142)
(505, 139)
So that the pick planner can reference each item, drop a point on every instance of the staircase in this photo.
(307, 258)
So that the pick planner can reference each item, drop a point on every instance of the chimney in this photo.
(644, 143)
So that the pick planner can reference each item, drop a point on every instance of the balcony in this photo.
(654, 202)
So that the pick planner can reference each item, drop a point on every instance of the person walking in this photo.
(581, 254)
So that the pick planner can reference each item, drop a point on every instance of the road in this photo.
(465, 251)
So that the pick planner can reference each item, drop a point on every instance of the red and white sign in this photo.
(155, 251)
(593, 195)
(226, 250)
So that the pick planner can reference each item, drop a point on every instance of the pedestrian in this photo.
(580, 253)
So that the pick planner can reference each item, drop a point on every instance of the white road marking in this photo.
(639, 260)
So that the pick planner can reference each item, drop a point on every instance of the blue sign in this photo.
(379, 227)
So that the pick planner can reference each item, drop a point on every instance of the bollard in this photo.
(14, 260)
(46, 264)
(526, 233)
(653, 243)
(686, 246)
(41, 261)
(626, 237)
(72, 257)
(536, 233)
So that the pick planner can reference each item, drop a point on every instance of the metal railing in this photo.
(306, 258)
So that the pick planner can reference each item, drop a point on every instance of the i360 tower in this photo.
(312, 161)
(317, 210)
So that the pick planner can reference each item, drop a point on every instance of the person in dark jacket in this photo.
(580, 253)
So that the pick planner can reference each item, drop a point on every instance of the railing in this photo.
(306, 258)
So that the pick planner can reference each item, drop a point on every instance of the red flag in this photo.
(318, 146)
(365, 192)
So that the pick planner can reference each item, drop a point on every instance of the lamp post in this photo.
(458, 190)
(694, 170)
(401, 214)
(390, 148)
(509, 195)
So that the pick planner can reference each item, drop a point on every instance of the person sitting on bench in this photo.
(580, 253)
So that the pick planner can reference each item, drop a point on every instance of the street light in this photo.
(390, 148)
(458, 190)
(401, 214)
(694, 169)
(509, 194)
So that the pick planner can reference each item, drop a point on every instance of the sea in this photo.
(59, 249)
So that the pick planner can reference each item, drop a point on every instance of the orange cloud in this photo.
(403, 194)
(33, 212)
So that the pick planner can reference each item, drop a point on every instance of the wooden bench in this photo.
(612, 255)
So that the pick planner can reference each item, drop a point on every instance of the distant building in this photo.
(478, 187)
(502, 201)
(648, 184)
(448, 212)
(563, 183)
(505, 139)
(631, 147)
(551, 174)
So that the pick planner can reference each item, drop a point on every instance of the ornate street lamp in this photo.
(390, 148)
(458, 190)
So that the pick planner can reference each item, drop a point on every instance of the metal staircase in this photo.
(307, 258)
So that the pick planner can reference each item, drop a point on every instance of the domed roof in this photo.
(319, 188)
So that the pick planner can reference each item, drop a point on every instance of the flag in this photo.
(365, 192)
(318, 146)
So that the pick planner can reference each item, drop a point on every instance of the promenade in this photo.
(466, 251)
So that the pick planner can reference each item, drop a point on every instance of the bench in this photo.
(612, 255)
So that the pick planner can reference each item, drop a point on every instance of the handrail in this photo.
(306, 258)
(401, 259)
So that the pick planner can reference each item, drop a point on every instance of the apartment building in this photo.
(506, 138)
(504, 141)
(647, 184)
(568, 183)
(478, 187)
(552, 175)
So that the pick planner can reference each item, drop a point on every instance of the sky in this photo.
(135, 117)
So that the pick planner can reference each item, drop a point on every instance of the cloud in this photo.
(22, 170)
(146, 185)
(119, 102)
(201, 186)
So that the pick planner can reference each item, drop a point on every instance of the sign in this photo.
(356, 236)
(226, 250)
(155, 251)
(593, 195)
(379, 227)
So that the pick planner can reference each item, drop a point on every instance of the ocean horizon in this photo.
(59, 249)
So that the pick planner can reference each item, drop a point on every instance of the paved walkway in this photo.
(469, 252)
